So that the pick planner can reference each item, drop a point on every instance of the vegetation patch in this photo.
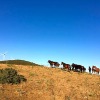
(18, 62)
(10, 76)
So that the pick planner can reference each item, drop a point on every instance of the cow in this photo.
(66, 66)
(53, 64)
(77, 67)
(95, 69)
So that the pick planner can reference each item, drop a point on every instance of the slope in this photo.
(45, 83)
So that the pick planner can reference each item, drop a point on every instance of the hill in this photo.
(45, 83)
(18, 62)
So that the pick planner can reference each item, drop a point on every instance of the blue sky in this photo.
(59, 30)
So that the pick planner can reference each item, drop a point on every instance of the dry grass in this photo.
(51, 84)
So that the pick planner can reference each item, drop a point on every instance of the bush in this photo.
(9, 75)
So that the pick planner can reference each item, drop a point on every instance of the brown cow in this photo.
(53, 64)
(66, 66)
(56, 64)
(95, 69)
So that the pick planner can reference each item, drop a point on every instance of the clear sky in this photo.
(58, 30)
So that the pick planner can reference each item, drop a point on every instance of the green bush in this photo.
(9, 75)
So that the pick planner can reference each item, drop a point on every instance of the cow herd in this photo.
(74, 67)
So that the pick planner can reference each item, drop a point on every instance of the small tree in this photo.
(9, 75)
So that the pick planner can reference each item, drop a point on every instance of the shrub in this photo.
(9, 75)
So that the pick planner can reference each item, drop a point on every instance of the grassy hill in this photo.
(18, 62)
(45, 83)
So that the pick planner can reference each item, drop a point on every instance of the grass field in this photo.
(45, 83)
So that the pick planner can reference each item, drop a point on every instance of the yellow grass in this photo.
(51, 84)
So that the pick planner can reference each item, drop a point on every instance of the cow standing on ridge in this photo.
(53, 64)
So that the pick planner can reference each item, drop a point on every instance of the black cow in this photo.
(76, 67)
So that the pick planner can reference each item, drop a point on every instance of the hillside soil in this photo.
(45, 83)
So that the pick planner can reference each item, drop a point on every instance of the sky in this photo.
(58, 30)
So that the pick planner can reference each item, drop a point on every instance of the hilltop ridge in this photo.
(18, 62)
